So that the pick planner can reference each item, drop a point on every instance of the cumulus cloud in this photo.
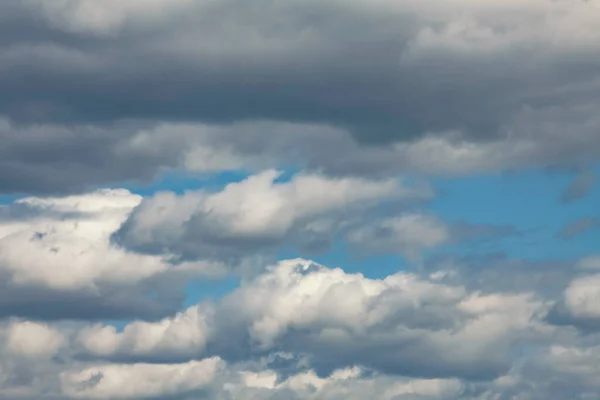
(31, 339)
(139, 381)
(180, 337)
(578, 305)
(256, 214)
(346, 383)
(402, 324)
(341, 335)
(58, 262)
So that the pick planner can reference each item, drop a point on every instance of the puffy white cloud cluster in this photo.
(57, 260)
(405, 336)
(295, 329)
(258, 214)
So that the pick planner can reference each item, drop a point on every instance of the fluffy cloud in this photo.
(183, 336)
(579, 304)
(135, 381)
(400, 325)
(256, 214)
(346, 384)
(343, 336)
(57, 261)
(31, 339)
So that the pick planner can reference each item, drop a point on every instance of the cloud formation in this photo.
(347, 124)
(58, 262)
(579, 187)
(257, 214)
(421, 86)
(341, 336)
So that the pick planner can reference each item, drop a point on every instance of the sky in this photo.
(300, 199)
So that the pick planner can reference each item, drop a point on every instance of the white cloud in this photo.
(349, 384)
(131, 381)
(582, 297)
(182, 336)
(31, 339)
(105, 18)
(402, 323)
(255, 214)
(56, 249)
(73, 253)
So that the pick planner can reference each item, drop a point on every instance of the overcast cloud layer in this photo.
(340, 158)
(94, 93)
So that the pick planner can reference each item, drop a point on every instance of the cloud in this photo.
(408, 234)
(256, 215)
(56, 159)
(578, 227)
(364, 102)
(179, 337)
(58, 262)
(578, 306)
(579, 187)
(342, 319)
(137, 381)
(498, 273)
(32, 340)
(315, 66)
(302, 330)
(402, 325)
(347, 384)
(421, 86)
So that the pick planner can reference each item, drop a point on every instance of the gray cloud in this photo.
(412, 233)
(578, 227)
(416, 70)
(446, 84)
(579, 187)
(52, 159)
(497, 273)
